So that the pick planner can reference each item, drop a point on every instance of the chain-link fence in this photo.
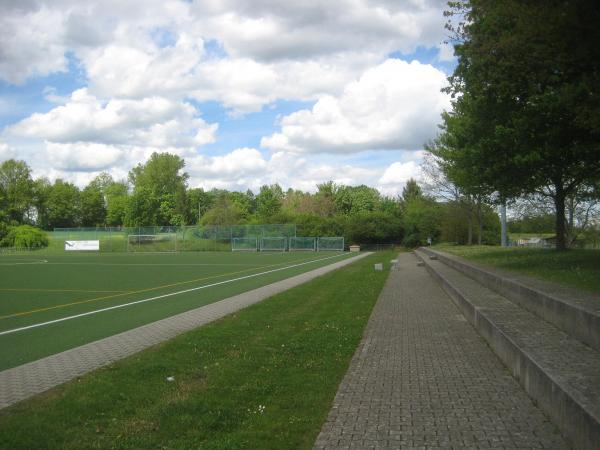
(189, 238)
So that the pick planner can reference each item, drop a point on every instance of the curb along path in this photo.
(21, 382)
(423, 378)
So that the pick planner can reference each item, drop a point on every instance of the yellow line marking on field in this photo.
(55, 290)
(106, 297)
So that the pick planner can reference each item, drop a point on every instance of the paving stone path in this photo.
(21, 382)
(422, 378)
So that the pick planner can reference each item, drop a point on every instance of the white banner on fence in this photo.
(82, 245)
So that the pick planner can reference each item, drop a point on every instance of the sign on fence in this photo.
(82, 245)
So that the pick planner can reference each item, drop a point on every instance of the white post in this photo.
(503, 239)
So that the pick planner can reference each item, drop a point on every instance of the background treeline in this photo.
(157, 193)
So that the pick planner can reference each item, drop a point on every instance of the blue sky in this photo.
(297, 94)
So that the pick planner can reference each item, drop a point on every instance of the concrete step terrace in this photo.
(558, 371)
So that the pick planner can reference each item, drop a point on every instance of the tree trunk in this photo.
(469, 227)
(559, 205)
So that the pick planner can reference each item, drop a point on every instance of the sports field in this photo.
(50, 303)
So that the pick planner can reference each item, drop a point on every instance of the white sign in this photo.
(82, 245)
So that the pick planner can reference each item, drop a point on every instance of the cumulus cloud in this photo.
(268, 30)
(395, 105)
(6, 152)
(145, 62)
(156, 122)
(33, 41)
(289, 50)
(248, 168)
(399, 173)
(396, 175)
(83, 156)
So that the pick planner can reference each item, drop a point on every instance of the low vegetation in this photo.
(24, 236)
(262, 378)
(576, 268)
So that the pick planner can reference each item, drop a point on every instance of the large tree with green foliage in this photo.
(159, 192)
(62, 205)
(525, 116)
(93, 207)
(353, 200)
(16, 191)
(269, 201)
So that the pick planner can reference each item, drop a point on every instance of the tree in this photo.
(325, 199)
(116, 195)
(461, 207)
(41, 192)
(352, 200)
(16, 191)
(526, 86)
(269, 201)
(159, 191)
(374, 227)
(411, 191)
(224, 212)
(455, 229)
(421, 220)
(199, 202)
(93, 209)
(62, 205)
(244, 202)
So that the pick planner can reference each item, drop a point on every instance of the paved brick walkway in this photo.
(422, 378)
(21, 382)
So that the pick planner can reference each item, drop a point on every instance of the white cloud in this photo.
(143, 60)
(399, 172)
(83, 156)
(155, 122)
(247, 168)
(395, 105)
(6, 152)
(396, 175)
(33, 41)
(289, 50)
(268, 30)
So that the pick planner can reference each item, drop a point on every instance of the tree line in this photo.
(157, 193)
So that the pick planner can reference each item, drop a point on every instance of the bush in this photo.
(25, 236)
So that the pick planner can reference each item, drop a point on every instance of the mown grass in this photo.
(263, 378)
(575, 268)
(71, 284)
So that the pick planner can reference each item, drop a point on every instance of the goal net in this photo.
(307, 244)
(273, 244)
(244, 244)
(335, 244)
(149, 243)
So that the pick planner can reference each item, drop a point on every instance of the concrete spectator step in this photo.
(573, 311)
(558, 371)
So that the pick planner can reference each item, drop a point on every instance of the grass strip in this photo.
(263, 378)
(575, 268)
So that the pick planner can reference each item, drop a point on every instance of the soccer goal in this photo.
(249, 244)
(335, 244)
(273, 244)
(300, 244)
(152, 243)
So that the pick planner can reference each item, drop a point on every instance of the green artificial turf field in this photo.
(36, 289)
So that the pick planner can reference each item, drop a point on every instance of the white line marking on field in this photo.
(89, 313)
(20, 263)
